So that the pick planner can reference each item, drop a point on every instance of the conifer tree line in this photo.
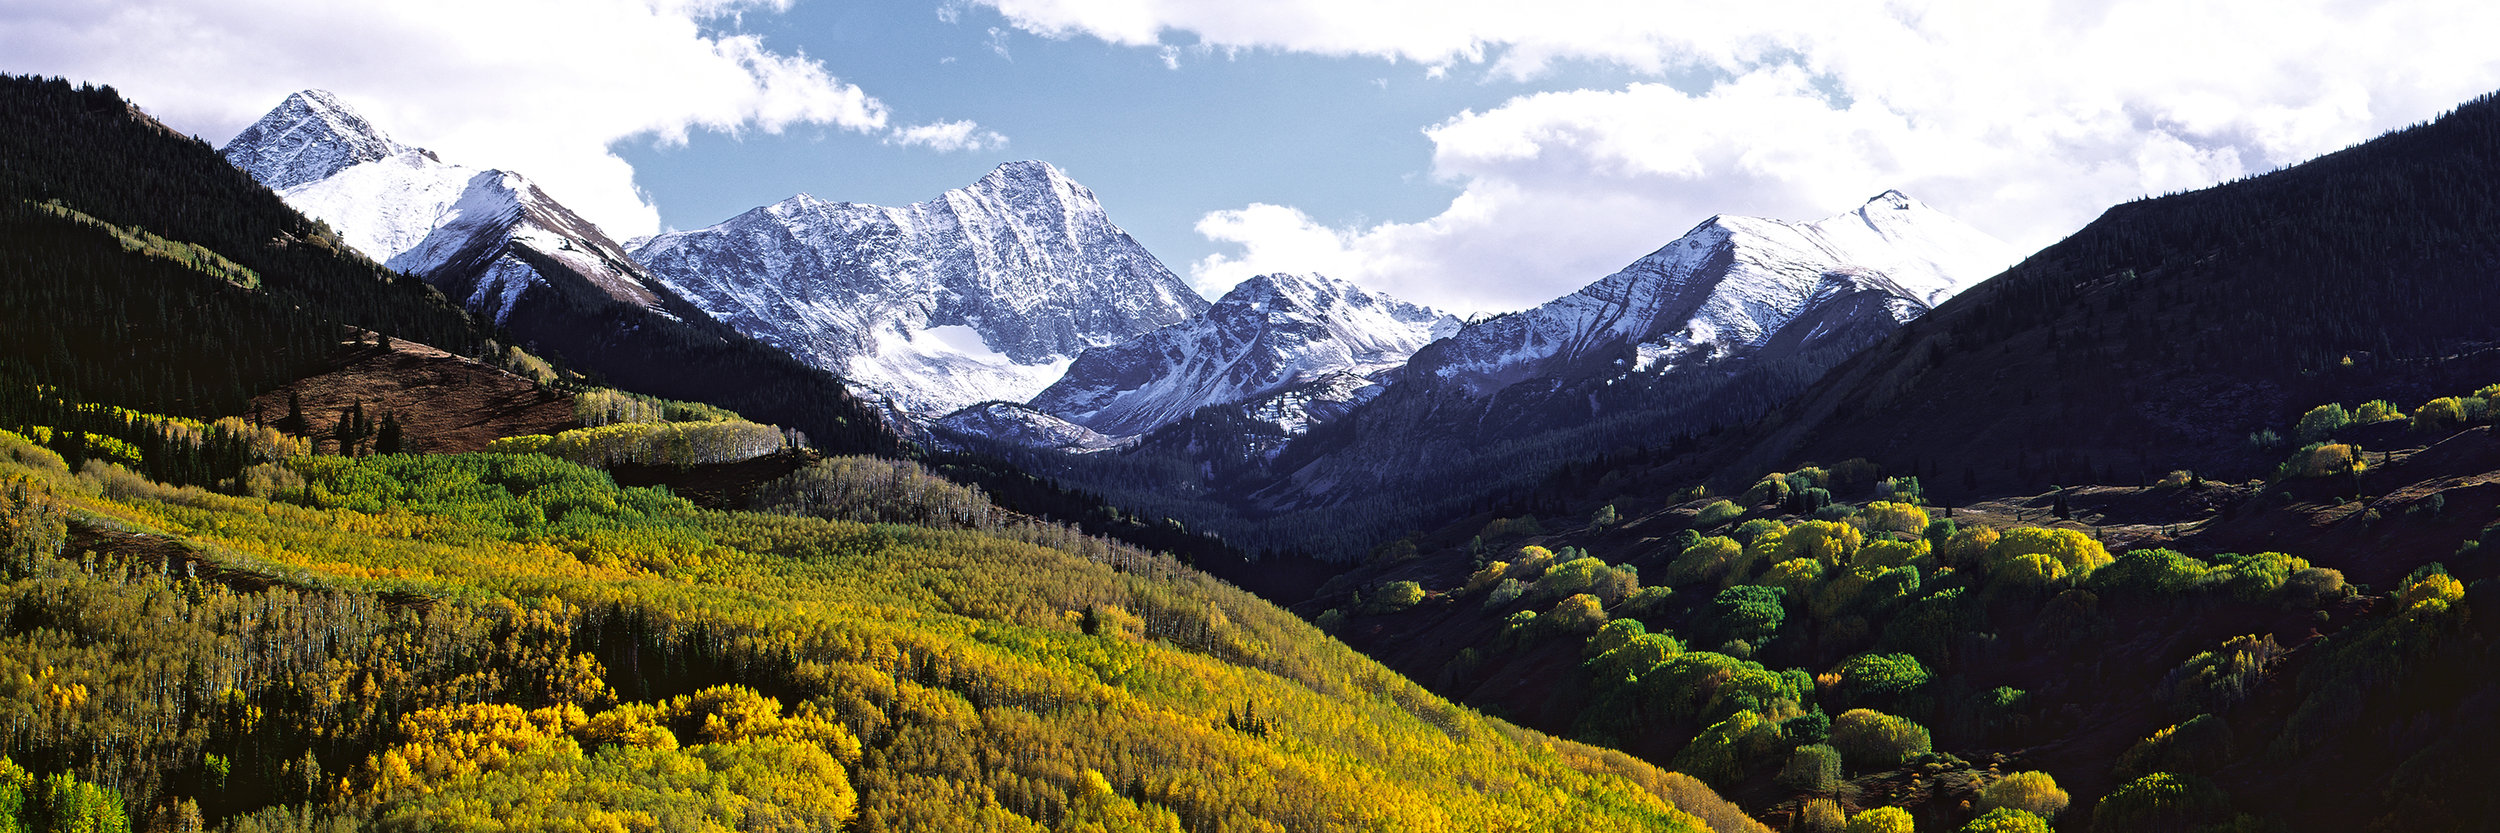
(2384, 248)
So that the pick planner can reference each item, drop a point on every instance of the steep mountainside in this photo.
(2170, 329)
(1268, 335)
(516, 257)
(985, 293)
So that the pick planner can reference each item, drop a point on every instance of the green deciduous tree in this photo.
(1871, 740)
(2320, 423)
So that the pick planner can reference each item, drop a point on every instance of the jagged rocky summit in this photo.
(987, 293)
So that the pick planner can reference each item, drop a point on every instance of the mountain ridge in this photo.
(1712, 328)
(1266, 335)
(2354, 276)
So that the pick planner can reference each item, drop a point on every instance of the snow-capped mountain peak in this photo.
(1921, 248)
(487, 236)
(309, 137)
(983, 293)
(1726, 288)
(1269, 334)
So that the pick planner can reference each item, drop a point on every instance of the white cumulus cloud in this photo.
(2024, 119)
(947, 137)
(543, 87)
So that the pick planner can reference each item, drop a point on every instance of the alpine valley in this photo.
(346, 487)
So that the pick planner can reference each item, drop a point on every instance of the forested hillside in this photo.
(2295, 652)
(422, 642)
(2169, 330)
(104, 218)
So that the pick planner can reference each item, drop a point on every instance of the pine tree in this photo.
(344, 432)
(391, 437)
(294, 423)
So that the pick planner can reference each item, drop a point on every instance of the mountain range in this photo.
(1268, 335)
(1014, 315)
(1712, 329)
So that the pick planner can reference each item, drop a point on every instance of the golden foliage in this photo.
(1881, 820)
(2031, 792)
(1885, 516)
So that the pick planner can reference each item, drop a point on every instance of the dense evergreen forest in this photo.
(82, 176)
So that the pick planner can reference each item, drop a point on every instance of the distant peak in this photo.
(1029, 173)
(1026, 173)
(1894, 200)
(1280, 284)
(1274, 280)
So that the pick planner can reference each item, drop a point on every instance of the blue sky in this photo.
(1340, 137)
(1478, 155)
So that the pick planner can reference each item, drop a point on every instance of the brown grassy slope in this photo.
(446, 403)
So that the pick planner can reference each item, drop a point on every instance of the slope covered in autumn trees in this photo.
(429, 641)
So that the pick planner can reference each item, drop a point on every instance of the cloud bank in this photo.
(2025, 119)
(543, 87)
